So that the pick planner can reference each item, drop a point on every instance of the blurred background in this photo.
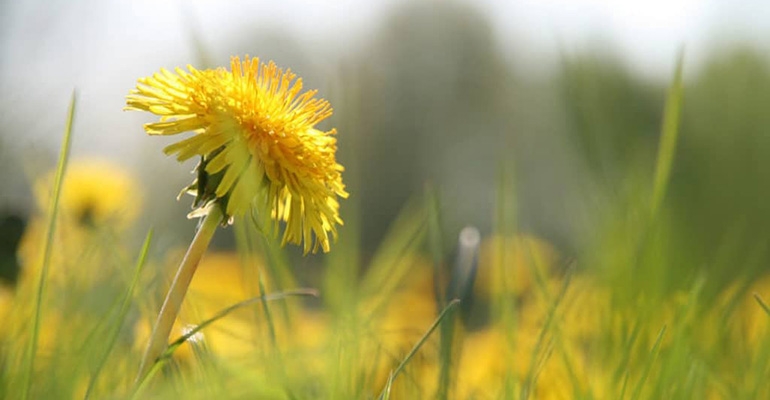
(565, 96)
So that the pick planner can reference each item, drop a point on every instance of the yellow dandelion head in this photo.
(255, 133)
(94, 193)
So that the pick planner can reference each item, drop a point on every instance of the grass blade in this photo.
(221, 314)
(390, 263)
(436, 245)
(762, 303)
(648, 366)
(388, 386)
(451, 306)
(48, 248)
(124, 307)
(502, 307)
(623, 388)
(548, 324)
(668, 136)
(276, 271)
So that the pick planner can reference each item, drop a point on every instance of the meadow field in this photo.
(427, 224)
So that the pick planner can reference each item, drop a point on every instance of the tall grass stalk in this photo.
(668, 136)
(436, 246)
(48, 250)
(502, 307)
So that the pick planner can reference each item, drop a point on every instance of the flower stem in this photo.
(173, 302)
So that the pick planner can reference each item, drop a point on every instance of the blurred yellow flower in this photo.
(94, 192)
(96, 195)
(398, 327)
(6, 303)
(255, 134)
(218, 284)
(509, 265)
(243, 335)
(755, 322)
(736, 309)
(586, 309)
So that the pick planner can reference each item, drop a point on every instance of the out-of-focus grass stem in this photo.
(48, 250)
(668, 136)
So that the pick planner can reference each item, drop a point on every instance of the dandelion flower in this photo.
(255, 133)
(95, 192)
(97, 197)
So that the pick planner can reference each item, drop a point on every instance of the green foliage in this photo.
(31, 352)
(664, 296)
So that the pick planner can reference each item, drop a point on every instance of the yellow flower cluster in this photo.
(574, 350)
(255, 133)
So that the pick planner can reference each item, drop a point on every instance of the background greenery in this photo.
(583, 285)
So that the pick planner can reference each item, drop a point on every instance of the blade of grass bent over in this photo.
(226, 311)
(221, 314)
(29, 361)
(124, 307)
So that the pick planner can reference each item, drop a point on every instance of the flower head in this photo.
(255, 133)
(94, 192)
(97, 197)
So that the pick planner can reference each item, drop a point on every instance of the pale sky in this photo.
(49, 47)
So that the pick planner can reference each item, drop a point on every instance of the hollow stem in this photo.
(173, 302)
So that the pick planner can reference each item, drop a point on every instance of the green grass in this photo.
(611, 320)
(30, 355)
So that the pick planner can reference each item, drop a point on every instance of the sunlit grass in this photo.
(506, 315)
